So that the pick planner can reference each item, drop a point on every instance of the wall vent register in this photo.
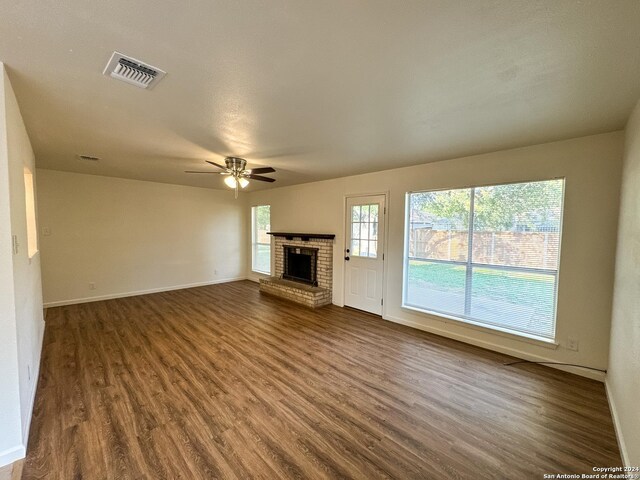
(132, 71)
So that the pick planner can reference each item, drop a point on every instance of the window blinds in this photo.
(487, 255)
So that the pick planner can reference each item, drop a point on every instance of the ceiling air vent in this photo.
(88, 158)
(133, 71)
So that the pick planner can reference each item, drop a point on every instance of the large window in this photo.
(261, 242)
(486, 255)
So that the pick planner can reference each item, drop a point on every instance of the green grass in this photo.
(512, 287)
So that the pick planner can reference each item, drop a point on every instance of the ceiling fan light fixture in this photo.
(231, 181)
(237, 176)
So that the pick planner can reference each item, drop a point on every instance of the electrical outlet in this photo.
(92, 286)
(215, 272)
(572, 344)
(46, 231)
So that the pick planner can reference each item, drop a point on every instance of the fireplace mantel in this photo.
(303, 236)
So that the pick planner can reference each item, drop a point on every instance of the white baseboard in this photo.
(600, 376)
(7, 457)
(34, 389)
(616, 425)
(74, 301)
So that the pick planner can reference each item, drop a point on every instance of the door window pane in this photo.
(364, 230)
(355, 247)
(373, 213)
(364, 248)
(373, 231)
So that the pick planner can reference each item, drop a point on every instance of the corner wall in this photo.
(623, 377)
(591, 166)
(21, 318)
(130, 237)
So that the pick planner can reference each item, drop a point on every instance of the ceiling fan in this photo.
(237, 175)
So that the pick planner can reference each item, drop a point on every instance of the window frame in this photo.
(255, 243)
(464, 319)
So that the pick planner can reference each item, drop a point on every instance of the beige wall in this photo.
(591, 166)
(623, 377)
(129, 236)
(10, 436)
(21, 319)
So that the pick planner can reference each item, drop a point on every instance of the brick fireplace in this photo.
(303, 270)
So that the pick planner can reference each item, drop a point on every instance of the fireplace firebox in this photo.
(300, 264)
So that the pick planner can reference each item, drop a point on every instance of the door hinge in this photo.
(383, 256)
(382, 301)
(385, 210)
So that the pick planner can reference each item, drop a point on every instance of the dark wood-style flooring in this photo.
(223, 382)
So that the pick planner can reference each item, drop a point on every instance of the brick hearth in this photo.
(299, 292)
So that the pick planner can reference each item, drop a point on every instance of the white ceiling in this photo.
(316, 89)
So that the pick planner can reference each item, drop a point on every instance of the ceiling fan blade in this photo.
(260, 178)
(210, 173)
(216, 164)
(261, 170)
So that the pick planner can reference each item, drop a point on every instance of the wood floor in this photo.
(223, 382)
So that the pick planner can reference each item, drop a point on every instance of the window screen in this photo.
(487, 254)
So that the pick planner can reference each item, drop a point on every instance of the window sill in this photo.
(503, 332)
(267, 274)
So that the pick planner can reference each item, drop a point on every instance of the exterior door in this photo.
(364, 259)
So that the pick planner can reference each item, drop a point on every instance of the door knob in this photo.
(346, 258)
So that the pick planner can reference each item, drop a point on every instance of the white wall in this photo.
(623, 377)
(591, 166)
(129, 237)
(21, 324)
(10, 432)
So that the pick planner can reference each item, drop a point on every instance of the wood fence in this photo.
(521, 249)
